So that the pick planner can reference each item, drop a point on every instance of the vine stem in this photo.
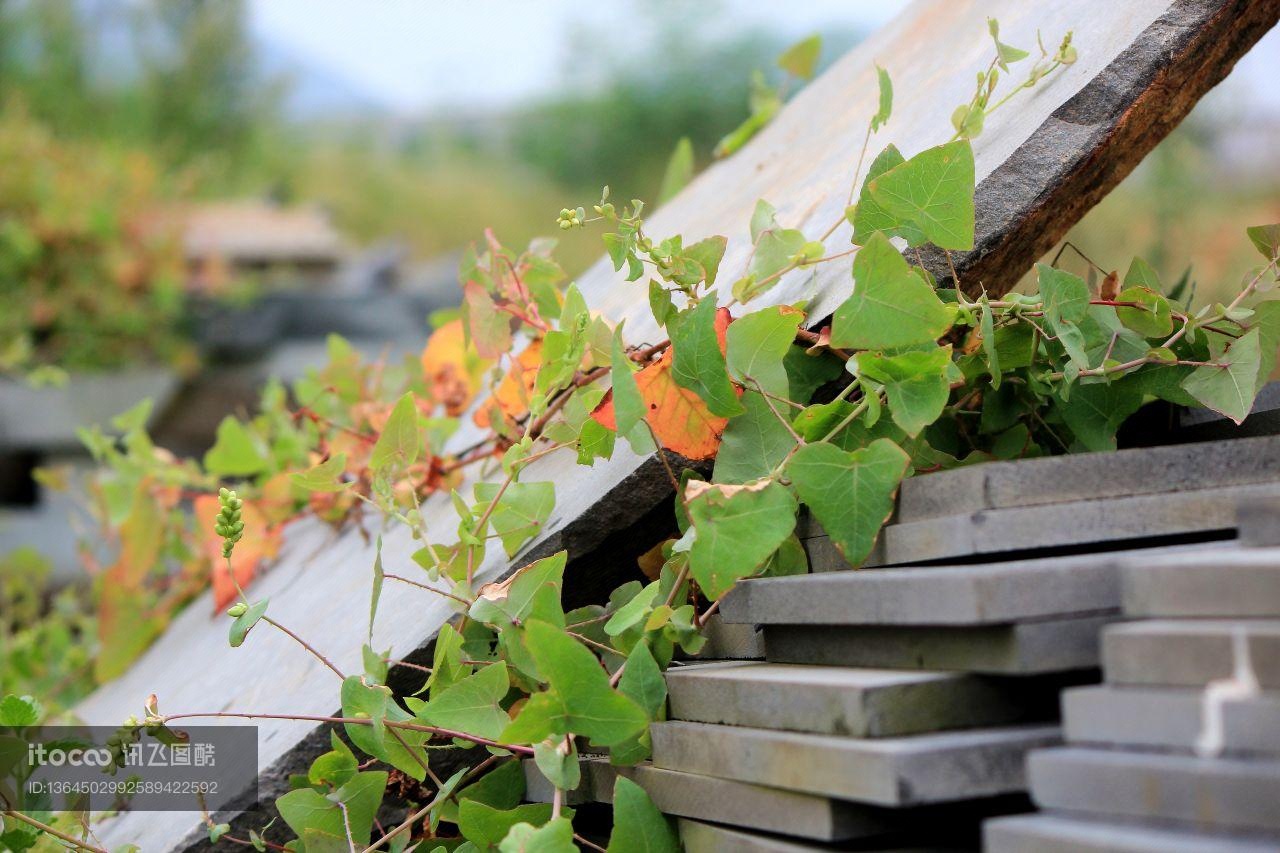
(350, 721)
(44, 827)
(324, 660)
(410, 582)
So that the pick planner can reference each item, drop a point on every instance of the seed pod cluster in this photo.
(229, 524)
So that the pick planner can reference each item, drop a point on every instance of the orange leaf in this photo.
(513, 392)
(451, 371)
(259, 543)
(677, 415)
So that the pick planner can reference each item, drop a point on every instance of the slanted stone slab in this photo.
(937, 595)
(1220, 581)
(727, 801)
(1258, 520)
(1167, 718)
(1052, 833)
(1189, 653)
(849, 701)
(1051, 645)
(1091, 521)
(918, 770)
(1209, 794)
(1090, 476)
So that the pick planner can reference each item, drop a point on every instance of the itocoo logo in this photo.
(40, 755)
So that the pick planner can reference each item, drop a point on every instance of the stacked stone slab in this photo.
(898, 705)
(1180, 748)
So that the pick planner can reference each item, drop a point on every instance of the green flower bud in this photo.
(237, 610)
(229, 524)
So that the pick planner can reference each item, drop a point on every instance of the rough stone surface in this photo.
(849, 701)
(727, 801)
(916, 770)
(1258, 520)
(937, 595)
(1090, 476)
(698, 837)
(1142, 517)
(1166, 718)
(1209, 794)
(1189, 653)
(728, 641)
(1018, 649)
(1220, 581)
(1051, 833)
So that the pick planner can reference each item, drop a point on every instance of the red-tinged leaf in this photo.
(513, 392)
(678, 416)
(489, 329)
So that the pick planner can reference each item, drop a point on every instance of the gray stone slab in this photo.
(1209, 794)
(918, 770)
(1167, 718)
(936, 595)
(1258, 520)
(726, 801)
(1090, 476)
(698, 837)
(1219, 581)
(1070, 524)
(851, 701)
(1024, 648)
(1053, 833)
(729, 641)
(1189, 653)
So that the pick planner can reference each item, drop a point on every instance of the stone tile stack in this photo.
(1180, 749)
(897, 706)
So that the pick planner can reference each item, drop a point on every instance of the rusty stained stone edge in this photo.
(637, 495)
(1032, 199)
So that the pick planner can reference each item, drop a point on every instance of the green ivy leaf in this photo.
(592, 708)
(736, 528)
(472, 705)
(628, 406)
(402, 750)
(1141, 274)
(1153, 319)
(594, 441)
(532, 592)
(486, 827)
(774, 251)
(306, 809)
(633, 612)
(754, 442)
(398, 446)
(501, 788)
(757, 343)
(1266, 319)
(886, 99)
(323, 477)
(245, 621)
(521, 510)
(679, 170)
(934, 192)
(1005, 54)
(1094, 412)
(558, 761)
(234, 453)
(915, 384)
(1065, 296)
(638, 826)
(1266, 238)
(851, 494)
(554, 836)
(699, 364)
(705, 256)
(1229, 386)
(891, 307)
(869, 217)
(801, 58)
(20, 712)
(642, 681)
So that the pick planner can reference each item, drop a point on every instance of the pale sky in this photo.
(415, 55)
(412, 55)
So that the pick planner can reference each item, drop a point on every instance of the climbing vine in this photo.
(788, 412)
